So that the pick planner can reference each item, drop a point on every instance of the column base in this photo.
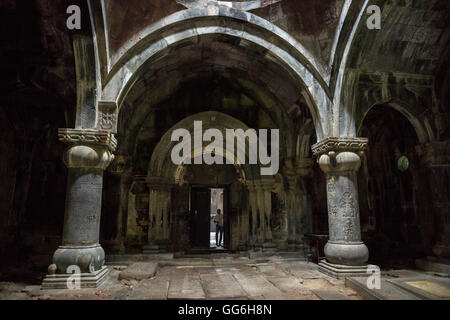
(341, 271)
(87, 280)
(151, 249)
(269, 247)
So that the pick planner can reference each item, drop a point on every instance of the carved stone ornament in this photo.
(340, 144)
(89, 137)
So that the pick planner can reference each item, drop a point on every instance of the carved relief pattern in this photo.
(347, 204)
(107, 121)
(73, 136)
(339, 144)
(331, 186)
(349, 229)
(107, 116)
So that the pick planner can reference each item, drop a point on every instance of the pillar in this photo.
(303, 215)
(159, 203)
(291, 209)
(88, 155)
(339, 159)
(253, 210)
(267, 185)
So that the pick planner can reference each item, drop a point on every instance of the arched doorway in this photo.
(393, 190)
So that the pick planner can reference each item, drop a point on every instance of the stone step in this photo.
(387, 291)
(425, 287)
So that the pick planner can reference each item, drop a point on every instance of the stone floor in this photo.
(217, 276)
(230, 276)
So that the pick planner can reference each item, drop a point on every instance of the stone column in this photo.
(267, 186)
(260, 230)
(88, 155)
(253, 208)
(291, 209)
(303, 215)
(119, 168)
(345, 253)
(159, 203)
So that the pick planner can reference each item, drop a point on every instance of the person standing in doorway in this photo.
(218, 219)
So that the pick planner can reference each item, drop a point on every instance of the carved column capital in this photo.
(340, 154)
(88, 148)
(90, 137)
(340, 144)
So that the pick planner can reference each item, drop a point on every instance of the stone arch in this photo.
(189, 25)
(160, 164)
(423, 133)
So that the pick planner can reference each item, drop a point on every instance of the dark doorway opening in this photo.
(393, 198)
(205, 201)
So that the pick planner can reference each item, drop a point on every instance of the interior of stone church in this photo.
(87, 116)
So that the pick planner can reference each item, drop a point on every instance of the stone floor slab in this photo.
(259, 286)
(185, 288)
(221, 286)
(150, 289)
(286, 284)
(139, 271)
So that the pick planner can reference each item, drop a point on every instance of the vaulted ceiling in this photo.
(37, 64)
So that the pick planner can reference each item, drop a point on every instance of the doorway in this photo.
(217, 196)
(205, 201)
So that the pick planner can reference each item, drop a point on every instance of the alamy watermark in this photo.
(374, 280)
(231, 151)
(374, 21)
(73, 22)
(74, 280)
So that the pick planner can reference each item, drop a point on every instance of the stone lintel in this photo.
(340, 144)
(88, 137)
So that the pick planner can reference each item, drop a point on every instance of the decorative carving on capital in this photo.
(107, 116)
(340, 144)
(88, 137)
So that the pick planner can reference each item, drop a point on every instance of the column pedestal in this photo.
(79, 261)
(346, 255)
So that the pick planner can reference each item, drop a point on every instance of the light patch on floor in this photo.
(431, 287)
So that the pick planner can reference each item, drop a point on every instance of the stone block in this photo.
(139, 271)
